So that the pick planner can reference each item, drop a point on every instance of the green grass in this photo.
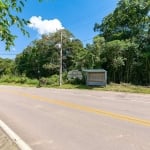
(123, 87)
(53, 83)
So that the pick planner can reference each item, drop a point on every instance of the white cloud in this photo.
(45, 26)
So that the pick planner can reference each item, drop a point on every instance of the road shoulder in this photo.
(6, 143)
(9, 140)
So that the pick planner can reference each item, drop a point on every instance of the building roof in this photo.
(94, 70)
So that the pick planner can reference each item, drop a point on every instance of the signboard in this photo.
(74, 74)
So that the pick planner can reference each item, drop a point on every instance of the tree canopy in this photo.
(130, 24)
(9, 10)
(42, 57)
(130, 18)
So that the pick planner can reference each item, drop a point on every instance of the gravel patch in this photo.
(6, 143)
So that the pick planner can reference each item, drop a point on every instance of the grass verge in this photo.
(53, 83)
(123, 87)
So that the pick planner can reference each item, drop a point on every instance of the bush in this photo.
(53, 80)
(32, 81)
(18, 80)
(7, 79)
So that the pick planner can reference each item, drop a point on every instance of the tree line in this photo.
(122, 47)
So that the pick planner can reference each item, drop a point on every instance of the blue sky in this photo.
(78, 16)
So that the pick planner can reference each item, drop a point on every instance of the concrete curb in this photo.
(14, 137)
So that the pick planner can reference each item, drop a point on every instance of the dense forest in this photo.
(122, 47)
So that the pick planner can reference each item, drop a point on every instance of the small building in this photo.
(96, 77)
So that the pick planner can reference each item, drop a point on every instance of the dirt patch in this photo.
(6, 143)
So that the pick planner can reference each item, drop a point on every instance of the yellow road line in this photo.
(86, 109)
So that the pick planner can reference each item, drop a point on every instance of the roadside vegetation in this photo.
(122, 47)
(53, 82)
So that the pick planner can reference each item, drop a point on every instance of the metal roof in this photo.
(94, 70)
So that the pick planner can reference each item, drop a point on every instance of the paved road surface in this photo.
(55, 119)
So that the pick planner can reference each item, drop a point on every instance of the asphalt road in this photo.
(57, 119)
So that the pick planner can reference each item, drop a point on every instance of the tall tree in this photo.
(42, 57)
(129, 19)
(7, 66)
(130, 24)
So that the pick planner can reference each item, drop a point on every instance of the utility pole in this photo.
(60, 71)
